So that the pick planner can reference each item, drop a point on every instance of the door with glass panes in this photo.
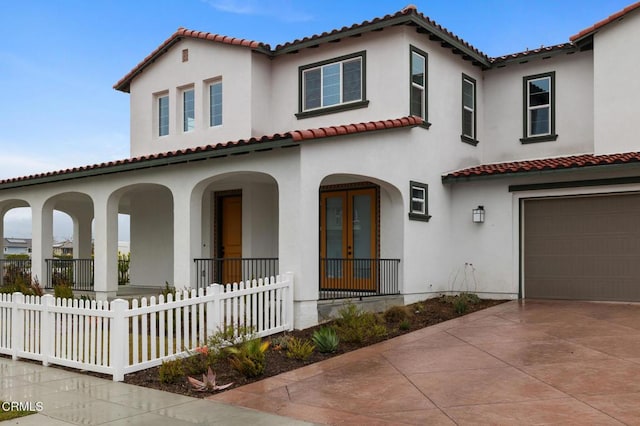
(348, 239)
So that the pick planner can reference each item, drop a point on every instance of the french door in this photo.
(229, 238)
(348, 239)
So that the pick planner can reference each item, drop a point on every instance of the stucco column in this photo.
(42, 239)
(3, 211)
(187, 225)
(82, 235)
(298, 244)
(106, 247)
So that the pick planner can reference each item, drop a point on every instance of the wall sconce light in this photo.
(478, 214)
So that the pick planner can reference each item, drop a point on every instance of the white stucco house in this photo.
(387, 158)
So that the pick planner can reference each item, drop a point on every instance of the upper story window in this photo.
(468, 110)
(539, 108)
(334, 85)
(163, 115)
(188, 110)
(215, 104)
(418, 94)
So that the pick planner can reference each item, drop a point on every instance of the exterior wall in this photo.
(617, 86)
(151, 224)
(503, 109)
(261, 96)
(169, 74)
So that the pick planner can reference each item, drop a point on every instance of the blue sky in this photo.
(59, 59)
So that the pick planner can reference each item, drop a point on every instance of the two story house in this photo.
(385, 158)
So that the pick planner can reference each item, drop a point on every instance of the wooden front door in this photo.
(348, 239)
(230, 238)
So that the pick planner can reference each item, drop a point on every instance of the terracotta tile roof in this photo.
(407, 15)
(210, 151)
(592, 29)
(544, 164)
(181, 33)
(541, 51)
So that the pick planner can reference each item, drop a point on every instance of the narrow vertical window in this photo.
(418, 88)
(163, 115)
(188, 110)
(468, 110)
(539, 114)
(215, 104)
(418, 206)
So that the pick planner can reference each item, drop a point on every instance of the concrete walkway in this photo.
(533, 362)
(74, 398)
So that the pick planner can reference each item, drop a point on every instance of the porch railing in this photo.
(12, 270)
(230, 270)
(346, 278)
(77, 273)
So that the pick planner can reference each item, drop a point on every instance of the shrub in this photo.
(356, 325)
(405, 325)
(396, 314)
(63, 291)
(199, 360)
(248, 358)
(171, 371)
(281, 342)
(300, 349)
(228, 337)
(326, 339)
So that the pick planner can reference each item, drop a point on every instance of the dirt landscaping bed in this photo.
(277, 358)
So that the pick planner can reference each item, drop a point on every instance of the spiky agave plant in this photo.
(208, 383)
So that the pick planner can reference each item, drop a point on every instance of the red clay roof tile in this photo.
(296, 135)
(556, 163)
(592, 29)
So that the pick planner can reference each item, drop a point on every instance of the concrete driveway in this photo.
(523, 362)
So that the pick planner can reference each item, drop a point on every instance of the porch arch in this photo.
(255, 232)
(377, 234)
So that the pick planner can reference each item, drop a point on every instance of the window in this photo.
(468, 110)
(539, 105)
(163, 115)
(188, 110)
(418, 205)
(334, 85)
(215, 104)
(418, 94)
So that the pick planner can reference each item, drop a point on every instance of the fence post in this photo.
(47, 328)
(17, 324)
(213, 309)
(289, 301)
(119, 339)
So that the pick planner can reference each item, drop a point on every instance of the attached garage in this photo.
(584, 248)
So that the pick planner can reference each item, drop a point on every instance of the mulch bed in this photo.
(424, 314)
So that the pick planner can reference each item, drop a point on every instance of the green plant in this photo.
(167, 290)
(396, 314)
(199, 360)
(281, 342)
(208, 383)
(229, 336)
(356, 325)
(124, 261)
(63, 291)
(326, 339)
(248, 358)
(19, 284)
(171, 371)
(460, 305)
(404, 325)
(300, 349)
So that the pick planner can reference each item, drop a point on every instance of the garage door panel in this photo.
(585, 248)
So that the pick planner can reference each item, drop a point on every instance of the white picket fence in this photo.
(115, 338)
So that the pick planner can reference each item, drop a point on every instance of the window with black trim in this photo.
(539, 108)
(334, 85)
(468, 110)
(418, 201)
(215, 103)
(188, 110)
(418, 83)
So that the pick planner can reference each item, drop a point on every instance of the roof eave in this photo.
(446, 179)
